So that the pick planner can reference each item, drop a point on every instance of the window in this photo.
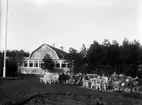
(20, 64)
(30, 63)
(25, 63)
(35, 63)
(40, 63)
(63, 65)
(57, 65)
(67, 65)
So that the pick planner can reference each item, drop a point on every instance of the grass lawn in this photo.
(20, 91)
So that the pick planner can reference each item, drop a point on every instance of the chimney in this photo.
(62, 48)
(53, 45)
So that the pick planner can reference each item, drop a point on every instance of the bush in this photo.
(48, 63)
(11, 68)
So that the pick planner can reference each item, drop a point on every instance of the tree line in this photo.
(108, 56)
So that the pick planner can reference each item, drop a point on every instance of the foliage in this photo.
(78, 59)
(83, 50)
(72, 50)
(11, 62)
(112, 55)
(48, 63)
(95, 53)
(122, 58)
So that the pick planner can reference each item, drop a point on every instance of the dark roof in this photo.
(60, 53)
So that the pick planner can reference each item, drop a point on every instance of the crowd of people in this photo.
(94, 81)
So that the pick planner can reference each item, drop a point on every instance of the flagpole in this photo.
(5, 50)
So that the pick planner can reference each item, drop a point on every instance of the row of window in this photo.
(63, 65)
(31, 64)
(35, 64)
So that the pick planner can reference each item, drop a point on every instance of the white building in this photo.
(32, 64)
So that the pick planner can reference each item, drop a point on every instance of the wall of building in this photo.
(41, 52)
(32, 66)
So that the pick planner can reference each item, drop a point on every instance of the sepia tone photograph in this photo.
(70, 52)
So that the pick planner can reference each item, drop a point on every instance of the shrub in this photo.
(48, 63)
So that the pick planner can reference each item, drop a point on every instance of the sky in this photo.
(69, 23)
